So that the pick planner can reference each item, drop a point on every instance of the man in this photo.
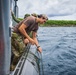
(20, 36)
(30, 24)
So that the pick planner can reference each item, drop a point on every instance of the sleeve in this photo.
(36, 28)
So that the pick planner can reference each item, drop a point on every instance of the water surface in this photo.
(59, 50)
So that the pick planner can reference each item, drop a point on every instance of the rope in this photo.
(41, 62)
(42, 65)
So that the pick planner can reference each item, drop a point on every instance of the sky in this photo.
(54, 9)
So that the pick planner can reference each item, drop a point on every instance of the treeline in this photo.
(55, 23)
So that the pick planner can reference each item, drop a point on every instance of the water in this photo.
(59, 50)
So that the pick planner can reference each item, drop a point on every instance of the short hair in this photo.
(43, 16)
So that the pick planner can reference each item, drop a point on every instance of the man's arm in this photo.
(23, 32)
(34, 36)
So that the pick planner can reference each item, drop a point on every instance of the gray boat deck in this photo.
(29, 62)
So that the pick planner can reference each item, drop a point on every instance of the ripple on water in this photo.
(59, 50)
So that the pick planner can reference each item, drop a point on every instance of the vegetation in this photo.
(20, 19)
(52, 23)
(55, 23)
(58, 23)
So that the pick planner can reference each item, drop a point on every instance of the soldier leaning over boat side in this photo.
(22, 30)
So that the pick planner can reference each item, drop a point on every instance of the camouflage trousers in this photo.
(17, 47)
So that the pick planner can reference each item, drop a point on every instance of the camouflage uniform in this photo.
(17, 40)
(17, 49)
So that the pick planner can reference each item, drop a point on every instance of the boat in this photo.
(30, 62)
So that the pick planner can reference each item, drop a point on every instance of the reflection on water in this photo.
(59, 50)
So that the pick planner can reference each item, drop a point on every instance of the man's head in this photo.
(43, 18)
